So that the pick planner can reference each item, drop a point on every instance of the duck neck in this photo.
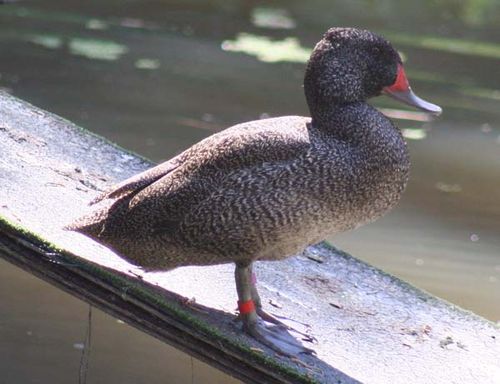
(336, 118)
(362, 126)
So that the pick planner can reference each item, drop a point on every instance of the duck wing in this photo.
(160, 197)
(202, 167)
(139, 181)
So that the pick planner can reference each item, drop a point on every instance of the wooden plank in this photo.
(370, 327)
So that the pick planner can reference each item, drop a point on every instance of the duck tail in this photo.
(91, 224)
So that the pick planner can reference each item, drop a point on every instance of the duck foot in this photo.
(277, 337)
(273, 319)
(273, 333)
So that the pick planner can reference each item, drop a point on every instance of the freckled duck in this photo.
(264, 190)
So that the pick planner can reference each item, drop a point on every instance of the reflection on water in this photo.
(267, 50)
(274, 18)
(42, 333)
(156, 77)
(89, 48)
(473, 48)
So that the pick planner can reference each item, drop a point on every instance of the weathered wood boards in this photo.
(370, 327)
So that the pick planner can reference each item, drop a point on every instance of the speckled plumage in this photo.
(266, 189)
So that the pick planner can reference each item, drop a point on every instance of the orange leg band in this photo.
(246, 307)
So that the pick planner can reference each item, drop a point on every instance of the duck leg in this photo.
(257, 301)
(272, 318)
(276, 335)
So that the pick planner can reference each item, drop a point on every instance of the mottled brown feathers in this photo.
(266, 189)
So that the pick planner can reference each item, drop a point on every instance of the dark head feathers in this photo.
(349, 65)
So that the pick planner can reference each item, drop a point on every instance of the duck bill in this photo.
(408, 97)
(401, 91)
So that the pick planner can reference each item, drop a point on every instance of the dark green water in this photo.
(157, 76)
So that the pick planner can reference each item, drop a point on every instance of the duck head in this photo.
(350, 65)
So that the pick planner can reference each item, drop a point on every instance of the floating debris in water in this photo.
(414, 133)
(273, 18)
(474, 237)
(419, 262)
(79, 346)
(448, 188)
(97, 49)
(150, 64)
(89, 48)
(130, 22)
(267, 50)
(47, 41)
(96, 24)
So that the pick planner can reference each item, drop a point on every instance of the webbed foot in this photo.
(273, 319)
(277, 337)
(262, 326)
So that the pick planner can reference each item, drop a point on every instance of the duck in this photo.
(267, 189)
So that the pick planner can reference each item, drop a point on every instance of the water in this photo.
(43, 330)
(158, 76)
